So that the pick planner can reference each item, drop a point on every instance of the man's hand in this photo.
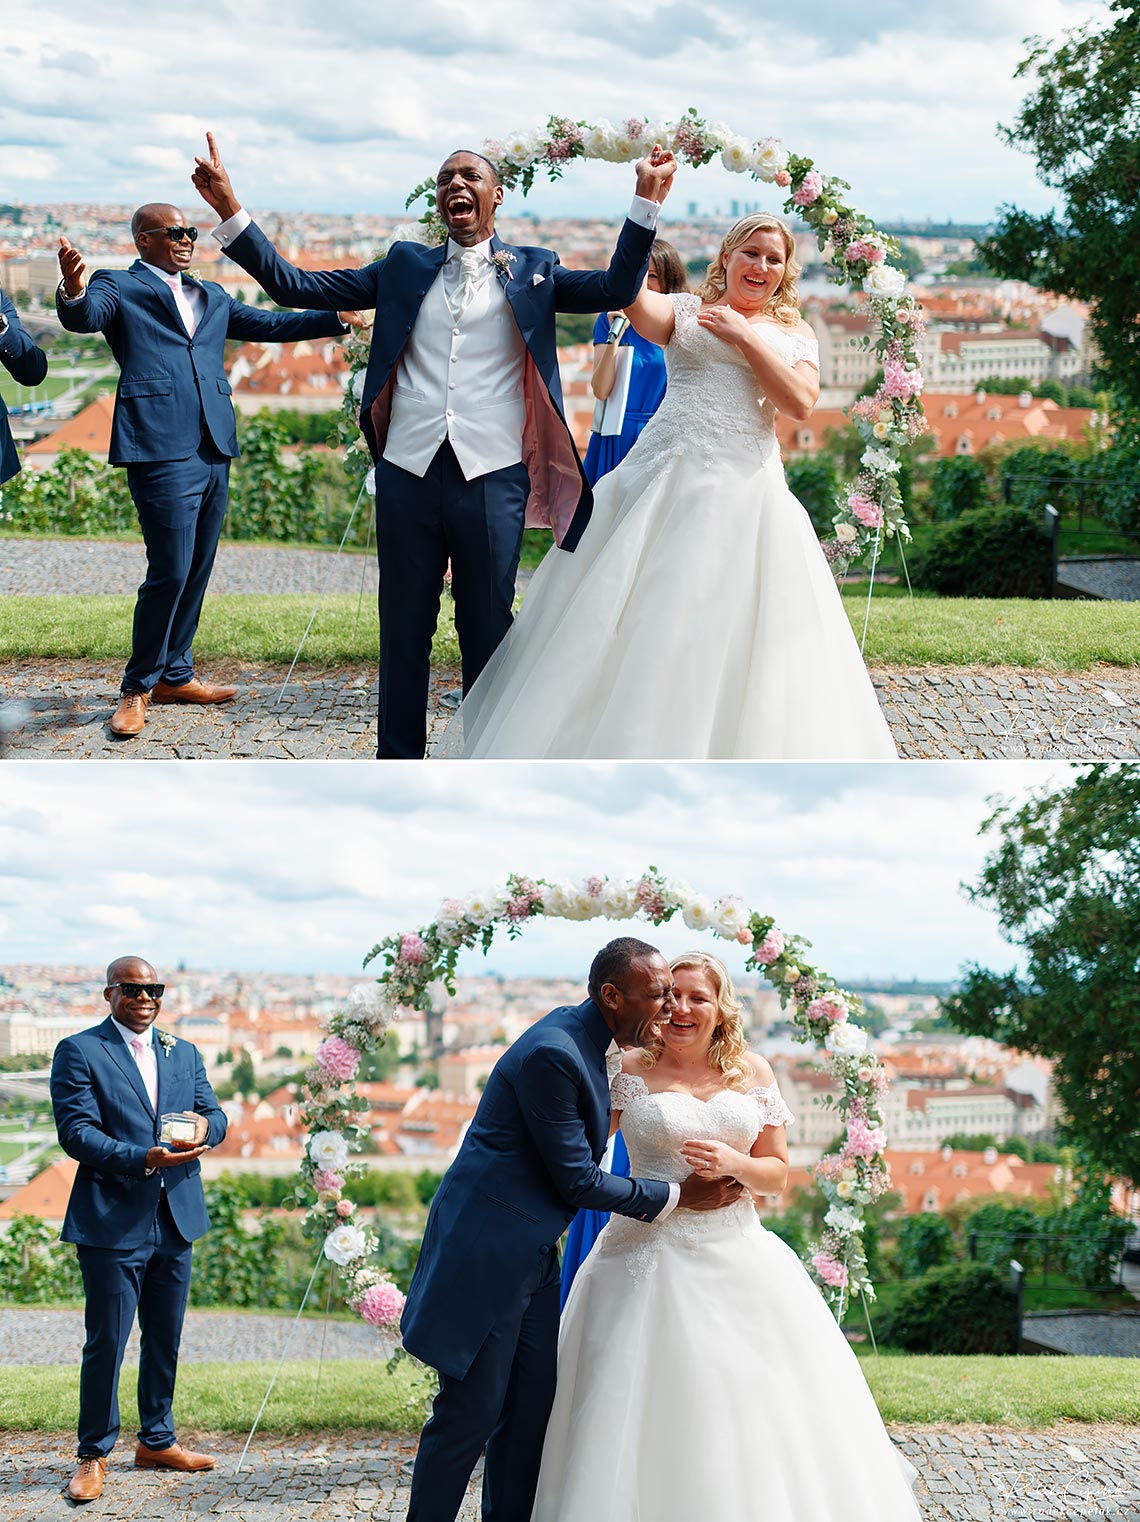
(355, 320)
(72, 267)
(655, 174)
(699, 1193)
(201, 1131)
(213, 183)
(160, 1157)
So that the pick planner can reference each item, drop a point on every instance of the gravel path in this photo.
(1109, 1336)
(966, 1474)
(1118, 579)
(60, 708)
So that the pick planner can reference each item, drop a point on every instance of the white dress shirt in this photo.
(189, 299)
(143, 1056)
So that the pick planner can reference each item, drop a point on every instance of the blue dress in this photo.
(646, 390)
(587, 1225)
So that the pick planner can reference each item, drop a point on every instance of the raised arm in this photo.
(23, 359)
(652, 315)
(259, 326)
(616, 286)
(83, 306)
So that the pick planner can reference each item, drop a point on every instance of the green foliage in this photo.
(1031, 477)
(958, 486)
(1092, 1235)
(35, 1266)
(1064, 878)
(1007, 1231)
(1079, 124)
(989, 552)
(956, 1308)
(234, 1265)
(77, 495)
(574, 328)
(925, 1242)
(814, 481)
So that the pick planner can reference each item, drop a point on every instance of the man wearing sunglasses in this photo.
(174, 431)
(136, 1207)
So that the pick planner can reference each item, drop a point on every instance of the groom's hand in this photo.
(72, 268)
(213, 183)
(708, 1193)
(655, 174)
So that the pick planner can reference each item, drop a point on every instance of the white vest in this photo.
(460, 380)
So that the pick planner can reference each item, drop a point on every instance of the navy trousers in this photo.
(153, 1279)
(181, 506)
(502, 1404)
(421, 523)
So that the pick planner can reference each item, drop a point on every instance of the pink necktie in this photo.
(183, 303)
(146, 1069)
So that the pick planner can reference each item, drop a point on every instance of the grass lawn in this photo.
(1047, 636)
(359, 1395)
(54, 384)
(9, 1151)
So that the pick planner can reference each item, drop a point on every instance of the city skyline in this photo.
(902, 102)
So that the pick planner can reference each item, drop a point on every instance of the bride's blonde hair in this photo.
(784, 303)
(728, 1050)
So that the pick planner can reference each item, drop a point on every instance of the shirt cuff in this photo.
(671, 1203)
(3, 324)
(70, 301)
(232, 227)
(644, 212)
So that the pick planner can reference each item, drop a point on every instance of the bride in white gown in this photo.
(699, 588)
(700, 1373)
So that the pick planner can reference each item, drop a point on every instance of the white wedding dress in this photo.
(698, 617)
(700, 1373)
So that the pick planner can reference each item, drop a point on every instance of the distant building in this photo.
(23, 1034)
(931, 1182)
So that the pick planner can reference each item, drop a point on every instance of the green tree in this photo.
(1079, 122)
(815, 483)
(234, 1265)
(925, 1241)
(1064, 878)
(35, 1267)
(958, 486)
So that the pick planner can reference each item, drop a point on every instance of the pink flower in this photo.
(337, 1059)
(771, 948)
(327, 1183)
(412, 949)
(380, 1305)
(811, 188)
(783, 179)
(863, 252)
(344, 1208)
(830, 1270)
(650, 897)
(900, 382)
(869, 513)
(595, 886)
(864, 1140)
(828, 1007)
(744, 937)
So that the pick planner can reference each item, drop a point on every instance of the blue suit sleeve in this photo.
(205, 1103)
(547, 1091)
(612, 288)
(77, 1118)
(280, 327)
(24, 360)
(330, 290)
(95, 310)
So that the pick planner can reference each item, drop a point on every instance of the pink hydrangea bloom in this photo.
(811, 188)
(650, 897)
(412, 949)
(783, 179)
(325, 1182)
(828, 1007)
(381, 1305)
(900, 382)
(868, 512)
(864, 1140)
(771, 948)
(830, 1270)
(860, 251)
(338, 1059)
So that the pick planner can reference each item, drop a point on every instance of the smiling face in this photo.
(696, 1015)
(633, 1008)
(152, 243)
(754, 270)
(467, 195)
(136, 1013)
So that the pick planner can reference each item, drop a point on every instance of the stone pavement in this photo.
(967, 1474)
(60, 708)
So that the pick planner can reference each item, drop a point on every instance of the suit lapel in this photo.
(151, 280)
(126, 1063)
(515, 286)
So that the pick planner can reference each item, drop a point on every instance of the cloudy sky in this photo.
(302, 868)
(347, 104)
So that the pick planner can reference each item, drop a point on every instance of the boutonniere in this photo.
(166, 1042)
(502, 259)
(192, 274)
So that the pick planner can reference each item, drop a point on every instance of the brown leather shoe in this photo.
(174, 1457)
(86, 1484)
(192, 691)
(130, 716)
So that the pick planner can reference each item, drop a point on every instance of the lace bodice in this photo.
(713, 397)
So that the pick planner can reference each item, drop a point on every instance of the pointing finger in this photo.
(212, 147)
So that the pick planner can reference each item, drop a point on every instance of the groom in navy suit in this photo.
(483, 1303)
(135, 1209)
(27, 364)
(174, 430)
(461, 408)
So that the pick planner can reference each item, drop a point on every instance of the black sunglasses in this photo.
(175, 234)
(136, 990)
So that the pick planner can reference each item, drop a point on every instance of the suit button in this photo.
(454, 332)
(450, 413)
(455, 359)
(421, 293)
(407, 330)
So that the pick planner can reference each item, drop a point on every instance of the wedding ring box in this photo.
(178, 1128)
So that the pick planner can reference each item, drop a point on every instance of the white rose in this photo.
(598, 141)
(344, 1244)
(846, 533)
(697, 912)
(844, 1189)
(717, 134)
(881, 461)
(737, 155)
(619, 900)
(731, 918)
(583, 905)
(482, 908)
(792, 975)
(846, 1040)
(844, 1218)
(882, 280)
(769, 158)
(830, 217)
(556, 899)
(366, 1001)
(882, 431)
(328, 1151)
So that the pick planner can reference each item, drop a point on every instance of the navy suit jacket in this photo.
(27, 364)
(529, 1161)
(536, 286)
(104, 1120)
(172, 385)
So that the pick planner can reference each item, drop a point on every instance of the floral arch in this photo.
(871, 507)
(824, 1015)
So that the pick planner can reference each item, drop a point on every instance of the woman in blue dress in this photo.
(647, 381)
(586, 1226)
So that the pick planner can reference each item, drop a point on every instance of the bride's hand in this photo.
(726, 323)
(711, 1159)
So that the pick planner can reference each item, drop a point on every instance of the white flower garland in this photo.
(824, 1014)
(857, 253)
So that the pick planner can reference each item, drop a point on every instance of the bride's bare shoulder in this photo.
(762, 1075)
(635, 1062)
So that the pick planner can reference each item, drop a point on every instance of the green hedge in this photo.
(988, 552)
(957, 1308)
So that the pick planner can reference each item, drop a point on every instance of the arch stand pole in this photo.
(870, 589)
(281, 1360)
